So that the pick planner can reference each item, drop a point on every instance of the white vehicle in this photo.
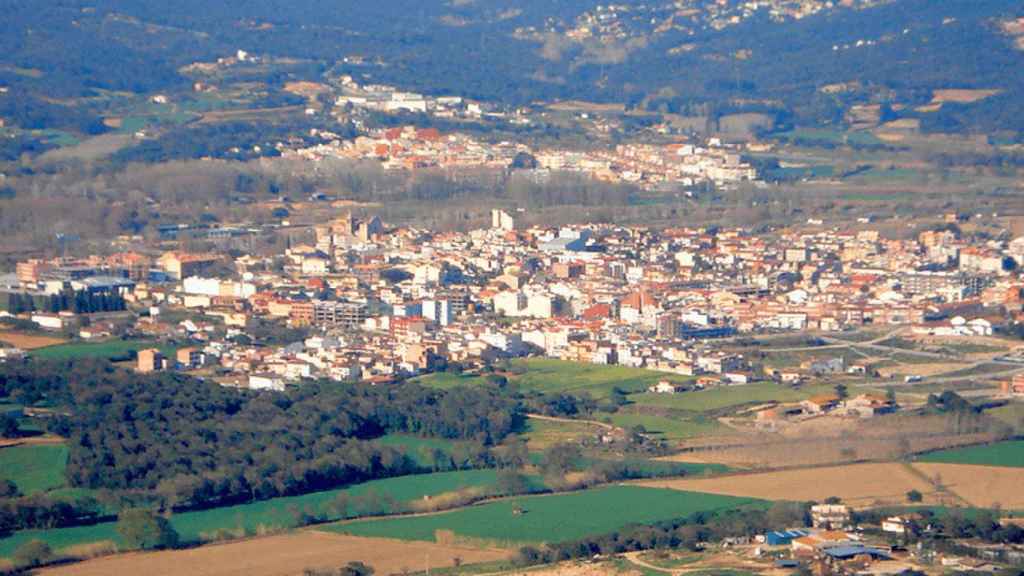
(912, 378)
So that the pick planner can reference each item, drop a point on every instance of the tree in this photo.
(890, 395)
(842, 392)
(356, 569)
(914, 496)
(146, 530)
(9, 489)
(561, 458)
(511, 482)
(32, 553)
(9, 427)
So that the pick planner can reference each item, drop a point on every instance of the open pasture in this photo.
(553, 518)
(1009, 453)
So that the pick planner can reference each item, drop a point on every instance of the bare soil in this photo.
(859, 485)
(29, 341)
(982, 486)
(288, 554)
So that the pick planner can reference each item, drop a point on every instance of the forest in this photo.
(195, 444)
(77, 51)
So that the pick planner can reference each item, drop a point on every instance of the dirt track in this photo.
(283, 555)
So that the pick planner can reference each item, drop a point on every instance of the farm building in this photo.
(783, 537)
(819, 541)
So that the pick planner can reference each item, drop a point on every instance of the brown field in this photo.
(29, 341)
(983, 486)
(248, 114)
(282, 555)
(962, 96)
(859, 485)
(831, 440)
(580, 106)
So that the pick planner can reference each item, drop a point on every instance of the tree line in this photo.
(193, 444)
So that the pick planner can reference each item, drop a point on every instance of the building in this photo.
(783, 537)
(266, 381)
(339, 314)
(179, 265)
(666, 387)
(189, 358)
(150, 360)
(501, 220)
(1015, 386)
(830, 516)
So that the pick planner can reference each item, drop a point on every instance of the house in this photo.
(266, 381)
(820, 404)
(190, 358)
(868, 405)
(825, 366)
(666, 387)
(150, 360)
(896, 525)
(1014, 387)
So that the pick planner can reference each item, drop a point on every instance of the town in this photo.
(378, 303)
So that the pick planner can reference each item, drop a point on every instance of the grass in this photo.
(722, 397)
(1011, 413)
(1009, 454)
(671, 560)
(421, 450)
(551, 518)
(665, 427)
(111, 349)
(34, 469)
(548, 375)
(540, 434)
(369, 498)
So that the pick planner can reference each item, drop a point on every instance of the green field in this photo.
(540, 434)
(34, 468)
(1000, 454)
(551, 518)
(724, 397)
(548, 375)
(108, 349)
(665, 427)
(378, 496)
(420, 450)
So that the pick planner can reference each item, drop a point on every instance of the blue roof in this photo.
(788, 533)
(851, 550)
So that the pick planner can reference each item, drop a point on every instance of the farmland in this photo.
(541, 434)
(29, 341)
(110, 349)
(34, 468)
(550, 518)
(859, 485)
(999, 454)
(979, 486)
(283, 554)
(729, 396)
(665, 427)
(378, 496)
(547, 375)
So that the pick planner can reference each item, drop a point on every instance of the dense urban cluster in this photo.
(373, 303)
